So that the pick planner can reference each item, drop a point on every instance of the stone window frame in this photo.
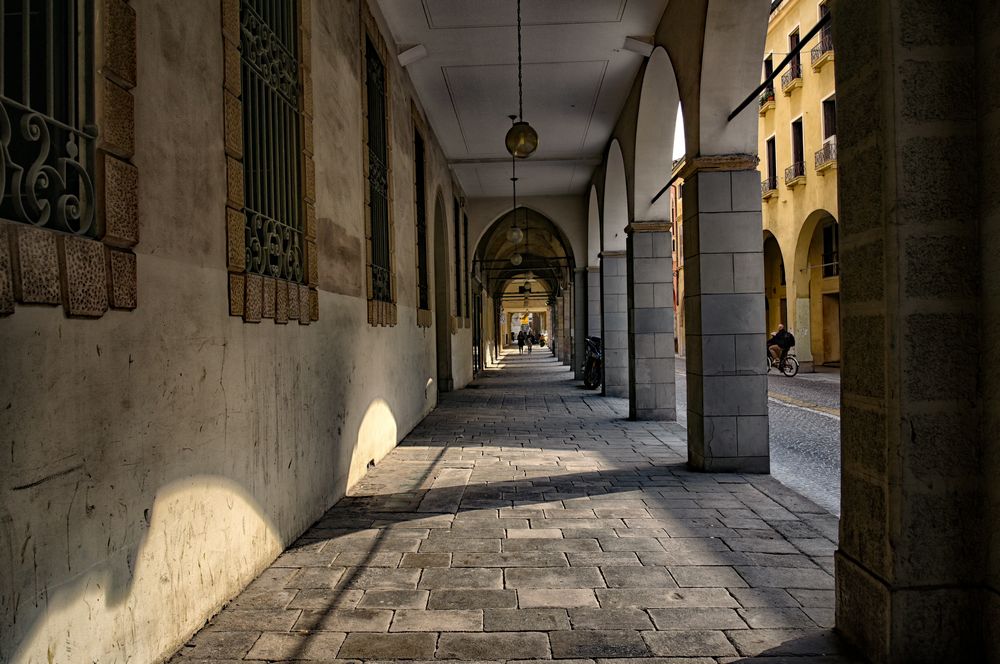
(425, 317)
(380, 313)
(251, 296)
(89, 275)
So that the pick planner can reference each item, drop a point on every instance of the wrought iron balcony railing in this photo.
(826, 155)
(766, 96)
(769, 186)
(824, 46)
(794, 172)
(793, 74)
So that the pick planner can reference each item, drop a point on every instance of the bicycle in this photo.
(789, 365)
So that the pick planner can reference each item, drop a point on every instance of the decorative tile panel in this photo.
(232, 77)
(236, 241)
(6, 272)
(119, 42)
(255, 298)
(231, 20)
(312, 263)
(293, 301)
(234, 183)
(84, 273)
(269, 296)
(281, 302)
(313, 304)
(304, 317)
(119, 183)
(233, 126)
(117, 120)
(122, 279)
(38, 263)
(237, 294)
(310, 221)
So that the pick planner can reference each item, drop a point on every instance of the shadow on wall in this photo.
(203, 532)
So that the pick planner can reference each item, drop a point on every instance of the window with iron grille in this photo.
(378, 174)
(420, 182)
(272, 151)
(465, 260)
(458, 259)
(831, 250)
(47, 130)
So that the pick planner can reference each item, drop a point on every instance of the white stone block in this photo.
(729, 232)
(714, 192)
(748, 272)
(732, 314)
(715, 273)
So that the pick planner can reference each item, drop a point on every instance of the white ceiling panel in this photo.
(451, 14)
(559, 101)
(576, 78)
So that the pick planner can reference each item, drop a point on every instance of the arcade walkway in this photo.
(527, 519)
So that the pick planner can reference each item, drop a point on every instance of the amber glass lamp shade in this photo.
(521, 140)
(516, 260)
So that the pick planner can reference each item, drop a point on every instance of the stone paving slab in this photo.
(528, 520)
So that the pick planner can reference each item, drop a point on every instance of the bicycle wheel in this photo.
(791, 367)
(769, 365)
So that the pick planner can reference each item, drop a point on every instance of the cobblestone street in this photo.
(527, 518)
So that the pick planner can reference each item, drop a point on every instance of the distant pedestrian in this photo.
(520, 341)
(531, 341)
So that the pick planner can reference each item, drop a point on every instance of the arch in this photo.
(735, 32)
(807, 234)
(442, 299)
(614, 216)
(593, 229)
(656, 123)
(775, 283)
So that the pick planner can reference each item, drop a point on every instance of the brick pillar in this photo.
(724, 316)
(614, 323)
(918, 179)
(651, 385)
(579, 320)
(594, 301)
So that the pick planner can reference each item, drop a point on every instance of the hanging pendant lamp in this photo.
(515, 234)
(522, 139)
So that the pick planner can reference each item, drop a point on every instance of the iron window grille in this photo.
(378, 174)
(769, 185)
(272, 150)
(423, 282)
(47, 129)
(465, 260)
(458, 260)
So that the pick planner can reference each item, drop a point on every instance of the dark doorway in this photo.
(442, 302)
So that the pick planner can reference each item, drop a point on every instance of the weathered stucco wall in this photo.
(156, 460)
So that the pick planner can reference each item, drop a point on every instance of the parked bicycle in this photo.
(593, 364)
(788, 364)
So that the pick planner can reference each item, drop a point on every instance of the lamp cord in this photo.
(520, 94)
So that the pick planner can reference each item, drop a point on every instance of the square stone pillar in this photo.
(724, 316)
(614, 323)
(567, 358)
(594, 301)
(652, 390)
(918, 564)
(579, 320)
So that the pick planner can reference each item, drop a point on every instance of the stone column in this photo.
(614, 323)
(567, 312)
(594, 301)
(579, 320)
(652, 392)
(724, 316)
(919, 240)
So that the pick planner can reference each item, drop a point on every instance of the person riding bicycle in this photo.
(779, 344)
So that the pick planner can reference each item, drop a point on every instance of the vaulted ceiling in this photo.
(577, 76)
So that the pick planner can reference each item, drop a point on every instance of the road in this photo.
(805, 432)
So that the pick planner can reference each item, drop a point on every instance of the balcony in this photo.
(826, 157)
(795, 174)
(766, 101)
(769, 187)
(822, 53)
(792, 78)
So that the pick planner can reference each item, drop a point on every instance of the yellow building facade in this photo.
(797, 142)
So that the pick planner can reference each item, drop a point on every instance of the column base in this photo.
(908, 625)
(654, 415)
(748, 465)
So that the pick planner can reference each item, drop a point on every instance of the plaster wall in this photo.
(155, 461)
(790, 215)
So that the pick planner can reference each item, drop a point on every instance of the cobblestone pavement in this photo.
(527, 519)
